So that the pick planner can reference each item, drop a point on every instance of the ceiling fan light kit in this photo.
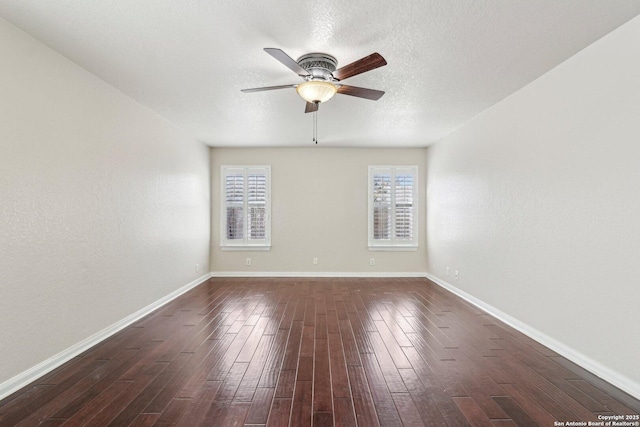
(316, 91)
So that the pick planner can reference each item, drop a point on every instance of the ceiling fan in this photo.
(322, 79)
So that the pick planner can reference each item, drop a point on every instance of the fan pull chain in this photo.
(315, 126)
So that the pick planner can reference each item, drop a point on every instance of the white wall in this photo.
(104, 206)
(319, 210)
(537, 203)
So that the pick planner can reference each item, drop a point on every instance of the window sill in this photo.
(380, 248)
(248, 248)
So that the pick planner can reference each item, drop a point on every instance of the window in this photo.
(246, 208)
(393, 196)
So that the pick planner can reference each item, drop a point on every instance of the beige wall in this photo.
(537, 203)
(319, 209)
(104, 206)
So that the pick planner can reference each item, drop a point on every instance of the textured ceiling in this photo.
(447, 60)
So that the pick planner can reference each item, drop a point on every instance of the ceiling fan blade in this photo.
(311, 107)
(363, 65)
(261, 89)
(286, 60)
(361, 92)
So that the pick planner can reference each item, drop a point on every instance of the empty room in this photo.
(409, 213)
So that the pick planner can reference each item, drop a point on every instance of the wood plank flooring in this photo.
(316, 352)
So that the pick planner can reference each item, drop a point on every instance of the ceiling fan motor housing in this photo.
(319, 65)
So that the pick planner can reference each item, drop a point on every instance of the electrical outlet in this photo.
(457, 275)
(315, 261)
(447, 272)
(197, 268)
(372, 261)
(248, 261)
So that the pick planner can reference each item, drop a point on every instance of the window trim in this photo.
(244, 245)
(392, 244)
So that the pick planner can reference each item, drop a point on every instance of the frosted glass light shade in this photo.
(316, 91)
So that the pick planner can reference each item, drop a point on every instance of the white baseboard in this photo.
(596, 368)
(312, 274)
(25, 378)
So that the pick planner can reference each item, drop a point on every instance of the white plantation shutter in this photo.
(234, 196)
(246, 207)
(382, 205)
(257, 203)
(392, 207)
(404, 206)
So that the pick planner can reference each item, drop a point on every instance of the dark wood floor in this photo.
(318, 352)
